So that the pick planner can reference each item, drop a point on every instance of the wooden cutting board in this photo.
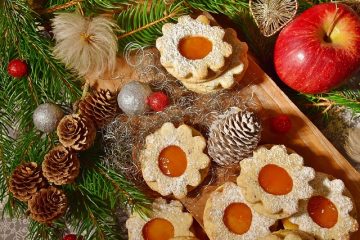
(304, 138)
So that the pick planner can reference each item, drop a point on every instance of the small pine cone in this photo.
(234, 137)
(48, 205)
(76, 132)
(101, 107)
(26, 181)
(61, 166)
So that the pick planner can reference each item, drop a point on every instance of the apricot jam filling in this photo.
(172, 161)
(194, 47)
(275, 180)
(322, 211)
(237, 218)
(158, 229)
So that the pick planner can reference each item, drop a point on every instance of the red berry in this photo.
(280, 123)
(158, 101)
(17, 68)
(70, 237)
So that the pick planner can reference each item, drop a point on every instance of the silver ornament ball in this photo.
(132, 98)
(47, 116)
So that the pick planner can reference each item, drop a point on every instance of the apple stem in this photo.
(332, 25)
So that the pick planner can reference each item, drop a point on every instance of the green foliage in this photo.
(46, 232)
(348, 98)
(48, 81)
(97, 193)
(96, 196)
(230, 8)
(89, 6)
(142, 23)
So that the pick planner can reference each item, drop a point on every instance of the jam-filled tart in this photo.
(327, 214)
(173, 160)
(274, 181)
(166, 221)
(227, 215)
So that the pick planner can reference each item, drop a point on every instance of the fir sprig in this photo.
(228, 7)
(348, 98)
(48, 81)
(89, 6)
(142, 23)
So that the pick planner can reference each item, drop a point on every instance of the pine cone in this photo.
(76, 132)
(26, 181)
(234, 137)
(61, 166)
(101, 107)
(48, 205)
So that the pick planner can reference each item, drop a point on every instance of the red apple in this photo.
(319, 49)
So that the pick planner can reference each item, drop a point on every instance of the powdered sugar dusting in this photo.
(181, 67)
(214, 211)
(332, 190)
(173, 212)
(193, 146)
(277, 206)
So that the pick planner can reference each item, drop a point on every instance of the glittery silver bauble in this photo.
(132, 98)
(47, 116)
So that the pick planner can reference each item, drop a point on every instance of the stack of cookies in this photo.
(275, 188)
(204, 58)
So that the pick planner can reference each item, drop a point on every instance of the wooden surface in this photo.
(304, 138)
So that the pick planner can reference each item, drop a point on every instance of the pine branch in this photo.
(90, 6)
(228, 7)
(38, 231)
(48, 81)
(348, 98)
(94, 200)
(141, 24)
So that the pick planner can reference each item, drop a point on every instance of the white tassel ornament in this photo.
(85, 45)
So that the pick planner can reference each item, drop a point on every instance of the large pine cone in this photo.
(234, 137)
(101, 107)
(76, 132)
(26, 181)
(61, 166)
(48, 204)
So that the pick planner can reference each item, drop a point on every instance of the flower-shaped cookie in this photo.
(274, 181)
(237, 66)
(192, 50)
(326, 214)
(288, 235)
(173, 159)
(166, 221)
(227, 215)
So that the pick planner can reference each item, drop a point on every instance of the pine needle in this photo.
(142, 23)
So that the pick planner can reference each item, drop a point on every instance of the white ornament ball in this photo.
(47, 116)
(132, 98)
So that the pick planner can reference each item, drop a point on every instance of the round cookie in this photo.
(166, 219)
(192, 50)
(227, 215)
(327, 214)
(173, 160)
(273, 181)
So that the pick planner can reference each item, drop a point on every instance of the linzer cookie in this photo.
(173, 160)
(288, 235)
(274, 181)
(227, 215)
(237, 66)
(166, 221)
(192, 50)
(326, 214)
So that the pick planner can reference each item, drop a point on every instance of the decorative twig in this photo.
(61, 7)
(32, 91)
(116, 186)
(147, 25)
